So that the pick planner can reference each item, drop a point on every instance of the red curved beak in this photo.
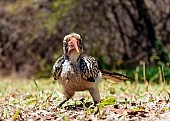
(73, 42)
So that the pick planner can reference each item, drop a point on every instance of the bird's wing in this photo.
(113, 77)
(57, 68)
(89, 68)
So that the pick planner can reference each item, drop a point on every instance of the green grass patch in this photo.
(157, 74)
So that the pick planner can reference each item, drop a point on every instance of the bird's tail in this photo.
(113, 77)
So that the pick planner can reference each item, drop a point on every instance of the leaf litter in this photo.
(37, 100)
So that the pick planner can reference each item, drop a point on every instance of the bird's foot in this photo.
(62, 103)
(95, 103)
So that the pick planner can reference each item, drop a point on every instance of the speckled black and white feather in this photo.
(87, 67)
(57, 68)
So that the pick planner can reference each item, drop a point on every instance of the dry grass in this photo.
(37, 100)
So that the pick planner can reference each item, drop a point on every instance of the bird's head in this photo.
(72, 43)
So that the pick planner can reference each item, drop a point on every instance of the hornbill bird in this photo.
(77, 71)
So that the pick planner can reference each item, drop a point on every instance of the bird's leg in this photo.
(65, 100)
(68, 95)
(95, 94)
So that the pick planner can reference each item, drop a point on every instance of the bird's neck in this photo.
(73, 56)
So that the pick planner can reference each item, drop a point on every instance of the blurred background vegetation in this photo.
(120, 34)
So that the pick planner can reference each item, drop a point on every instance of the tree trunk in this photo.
(156, 43)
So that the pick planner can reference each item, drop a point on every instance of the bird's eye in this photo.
(68, 40)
